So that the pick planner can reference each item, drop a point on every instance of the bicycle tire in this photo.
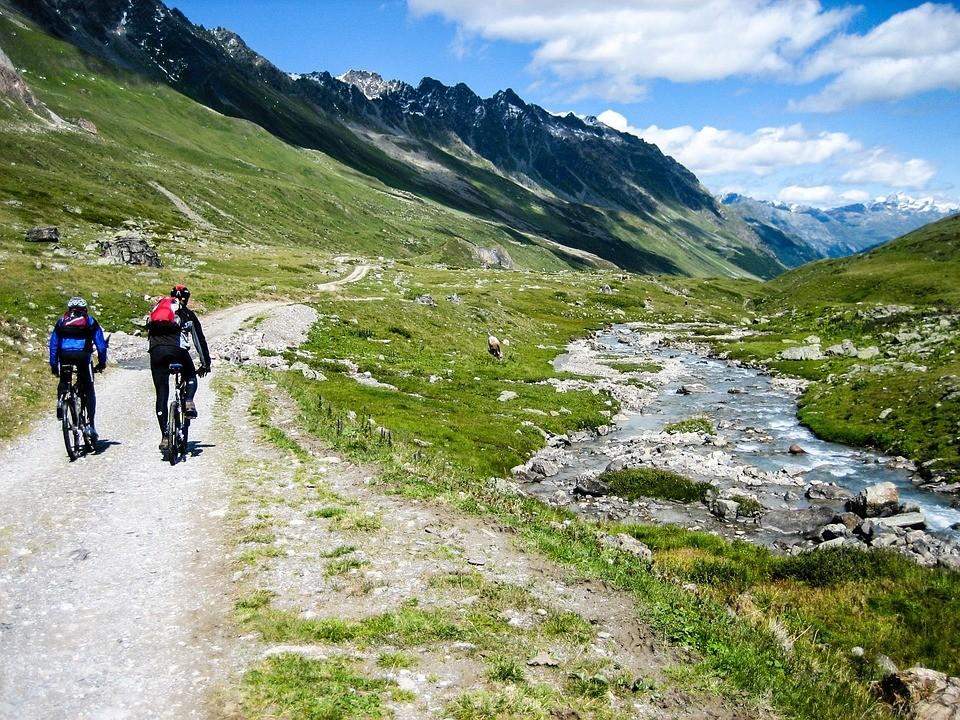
(173, 420)
(67, 425)
(84, 425)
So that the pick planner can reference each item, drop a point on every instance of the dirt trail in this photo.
(113, 600)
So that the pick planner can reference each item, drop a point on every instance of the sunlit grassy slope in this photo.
(922, 267)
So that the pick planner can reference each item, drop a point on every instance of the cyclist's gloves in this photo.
(203, 370)
(98, 368)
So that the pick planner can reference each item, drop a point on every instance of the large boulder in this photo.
(628, 544)
(880, 500)
(129, 249)
(591, 487)
(46, 233)
(922, 694)
(802, 352)
(546, 468)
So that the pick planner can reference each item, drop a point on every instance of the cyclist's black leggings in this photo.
(81, 361)
(161, 358)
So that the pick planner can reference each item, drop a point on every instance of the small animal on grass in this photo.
(493, 347)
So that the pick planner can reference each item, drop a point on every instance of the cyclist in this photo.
(72, 342)
(169, 330)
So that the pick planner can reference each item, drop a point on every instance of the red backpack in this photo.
(164, 315)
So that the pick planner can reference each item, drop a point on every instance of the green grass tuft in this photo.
(635, 483)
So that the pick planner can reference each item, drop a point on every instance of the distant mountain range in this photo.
(802, 233)
(595, 196)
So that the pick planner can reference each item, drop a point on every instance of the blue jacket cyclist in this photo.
(72, 342)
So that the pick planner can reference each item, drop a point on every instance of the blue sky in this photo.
(821, 103)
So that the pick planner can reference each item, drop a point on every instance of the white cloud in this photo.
(712, 151)
(915, 51)
(879, 167)
(777, 154)
(818, 195)
(598, 50)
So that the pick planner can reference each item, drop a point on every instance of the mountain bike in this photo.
(77, 436)
(178, 424)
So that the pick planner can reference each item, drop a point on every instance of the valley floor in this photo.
(119, 576)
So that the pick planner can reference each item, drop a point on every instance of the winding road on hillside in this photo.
(115, 600)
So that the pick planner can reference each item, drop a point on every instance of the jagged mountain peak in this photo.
(371, 84)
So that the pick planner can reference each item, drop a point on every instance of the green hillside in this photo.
(922, 267)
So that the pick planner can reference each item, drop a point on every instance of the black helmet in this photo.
(181, 292)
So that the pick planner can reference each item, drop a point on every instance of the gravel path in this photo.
(114, 598)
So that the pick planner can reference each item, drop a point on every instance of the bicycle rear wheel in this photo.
(173, 433)
(84, 425)
(69, 426)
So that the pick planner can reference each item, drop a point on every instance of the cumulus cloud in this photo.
(913, 52)
(621, 43)
(712, 151)
(775, 153)
(881, 168)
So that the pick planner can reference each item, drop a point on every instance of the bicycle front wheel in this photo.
(173, 433)
(69, 426)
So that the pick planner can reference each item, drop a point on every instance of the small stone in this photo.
(507, 395)
(542, 659)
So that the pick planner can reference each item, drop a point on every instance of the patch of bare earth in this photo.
(328, 540)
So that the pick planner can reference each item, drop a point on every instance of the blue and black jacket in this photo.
(72, 335)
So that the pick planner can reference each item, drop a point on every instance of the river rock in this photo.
(616, 465)
(921, 694)
(725, 509)
(129, 249)
(827, 491)
(46, 233)
(902, 520)
(880, 500)
(834, 530)
(629, 544)
(796, 450)
(691, 388)
(802, 352)
(848, 519)
(546, 468)
(590, 487)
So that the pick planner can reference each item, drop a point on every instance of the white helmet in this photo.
(76, 302)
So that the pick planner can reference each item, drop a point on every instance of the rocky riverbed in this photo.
(774, 482)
